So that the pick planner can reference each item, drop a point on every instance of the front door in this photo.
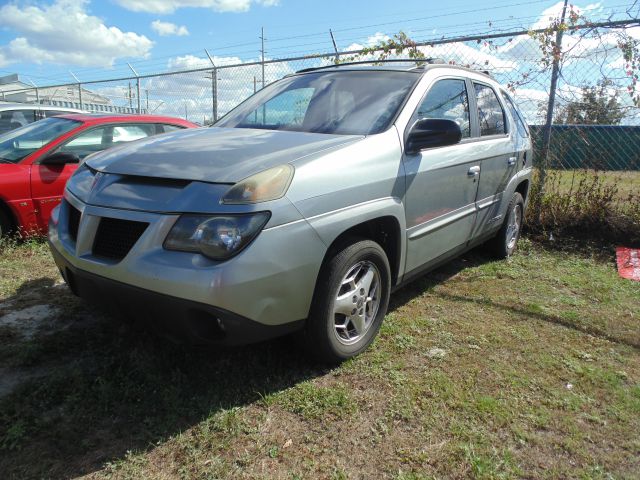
(441, 183)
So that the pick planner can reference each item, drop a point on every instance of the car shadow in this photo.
(98, 388)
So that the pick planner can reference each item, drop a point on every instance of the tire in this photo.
(504, 244)
(333, 333)
(6, 226)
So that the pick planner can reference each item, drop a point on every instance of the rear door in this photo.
(441, 183)
(496, 146)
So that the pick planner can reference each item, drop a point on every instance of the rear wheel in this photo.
(505, 242)
(350, 302)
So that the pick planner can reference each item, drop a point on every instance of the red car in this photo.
(36, 160)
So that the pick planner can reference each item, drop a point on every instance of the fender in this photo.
(332, 224)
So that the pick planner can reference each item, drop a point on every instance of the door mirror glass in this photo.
(432, 132)
(60, 158)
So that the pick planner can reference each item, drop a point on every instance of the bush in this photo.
(587, 204)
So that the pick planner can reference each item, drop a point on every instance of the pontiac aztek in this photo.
(302, 208)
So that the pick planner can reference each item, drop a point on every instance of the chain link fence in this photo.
(594, 121)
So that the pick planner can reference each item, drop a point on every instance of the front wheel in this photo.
(506, 241)
(350, 302)
(5, 224)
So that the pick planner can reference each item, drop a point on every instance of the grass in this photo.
(626, 182)
(483, 369)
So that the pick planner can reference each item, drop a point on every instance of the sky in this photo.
(55, 41)
(45, 40)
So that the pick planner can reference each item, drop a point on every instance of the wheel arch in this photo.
(384, 230)
(8, 212)
(523, 189)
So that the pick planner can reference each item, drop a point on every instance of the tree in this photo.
(597, 106)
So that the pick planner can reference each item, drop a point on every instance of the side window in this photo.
(516, 115)
(129, 133)
(287, 109)
(490, 113)
(168, 128)
(447, 99)
(89, 141)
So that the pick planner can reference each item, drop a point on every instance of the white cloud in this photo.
(191, 92)
(64, 33)
(170, 6)
(165, 29)
(371, 41)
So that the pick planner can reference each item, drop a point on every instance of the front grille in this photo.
(74, 221)
(116, 237)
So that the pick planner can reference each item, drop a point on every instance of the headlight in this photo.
(261, 187)
(217, 237)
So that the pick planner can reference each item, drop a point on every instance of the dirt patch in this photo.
(26, 322)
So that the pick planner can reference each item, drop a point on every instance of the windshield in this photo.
(346, 103)
(17, 144)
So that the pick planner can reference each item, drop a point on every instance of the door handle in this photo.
(473, 171)
(512, 160)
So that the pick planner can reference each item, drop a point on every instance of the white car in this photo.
(16, 115)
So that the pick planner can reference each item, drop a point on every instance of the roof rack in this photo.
(429, 61)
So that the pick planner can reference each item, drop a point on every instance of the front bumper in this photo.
(269, 285)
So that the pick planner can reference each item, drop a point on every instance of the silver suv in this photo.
(300, 210)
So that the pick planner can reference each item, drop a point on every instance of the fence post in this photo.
(335, 47)
(546, 136)
(79, 88)
(215, 94)
(137, 88)
(262, 55)
(214, 88)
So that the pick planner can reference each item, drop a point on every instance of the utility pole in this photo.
(555, 70)
(335, 47)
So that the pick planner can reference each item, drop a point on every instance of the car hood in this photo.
(218, 155)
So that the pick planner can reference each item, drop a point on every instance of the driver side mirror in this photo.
(432, 132)
(60, 158)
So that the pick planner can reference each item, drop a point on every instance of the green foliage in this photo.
(398, 45)
(597, 106)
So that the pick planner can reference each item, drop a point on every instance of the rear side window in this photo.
(129, 133)
(490, 113)
(521, 126)
(168, 128)
(447, 99)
